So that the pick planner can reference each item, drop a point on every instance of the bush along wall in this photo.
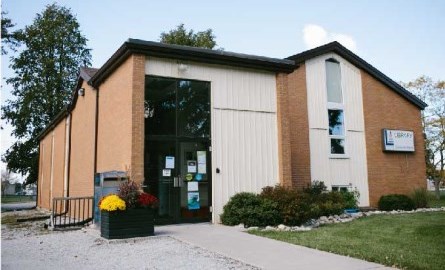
(281, 205)
(396, 202)
(250, 210)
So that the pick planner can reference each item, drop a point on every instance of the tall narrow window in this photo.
(333, 81)
(335, 107)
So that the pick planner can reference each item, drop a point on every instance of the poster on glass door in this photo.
(202, 162)
(193, 201)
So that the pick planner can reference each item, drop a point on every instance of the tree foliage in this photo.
(433, 120)
(7, 36)
(45, 72)
(182, 36)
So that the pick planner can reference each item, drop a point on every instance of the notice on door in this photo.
(192, 186)
(169, 162)
(166, 172)
(193, 201)
(191, 166)
(202, 162)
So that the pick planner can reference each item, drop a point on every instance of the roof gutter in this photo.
(186, 53)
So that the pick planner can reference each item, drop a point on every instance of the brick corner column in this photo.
(138, 120)
(284, 152)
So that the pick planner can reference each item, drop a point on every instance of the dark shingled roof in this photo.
(188, 53)
(86, 73)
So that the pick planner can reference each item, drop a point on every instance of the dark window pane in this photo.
(160, 106)
(336, 122)
(337, 146)
(193, 108)
(333, 81)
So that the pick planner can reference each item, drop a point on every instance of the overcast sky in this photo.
(403, 39)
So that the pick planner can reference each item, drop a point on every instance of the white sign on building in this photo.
(398, 140)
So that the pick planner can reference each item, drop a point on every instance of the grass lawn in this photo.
(17, 198)
(408, 241)
(435, 202)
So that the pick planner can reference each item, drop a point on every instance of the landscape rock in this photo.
(270, 228)
(253, 228)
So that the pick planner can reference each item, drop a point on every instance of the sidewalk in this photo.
(17, 206)
(258, 251)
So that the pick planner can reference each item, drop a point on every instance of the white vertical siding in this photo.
(244, 126)
(351, 169)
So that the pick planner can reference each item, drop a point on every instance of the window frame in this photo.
(333, 60)
(336, 106)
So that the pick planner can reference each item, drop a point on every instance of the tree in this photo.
(433, 121)
(45, 73)
(6, 36)
(182, 36)
(7, 179)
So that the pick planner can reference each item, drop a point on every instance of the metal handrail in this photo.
(71, 211)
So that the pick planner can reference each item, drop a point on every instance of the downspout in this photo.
(52, 172)
(41, 159)
(96, 133)
(67, 155)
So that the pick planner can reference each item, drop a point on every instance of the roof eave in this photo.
(54, 122)
(188, 54)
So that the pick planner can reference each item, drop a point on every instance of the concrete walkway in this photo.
(259, 251)
(17, 206)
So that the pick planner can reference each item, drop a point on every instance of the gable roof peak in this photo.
(354, 59)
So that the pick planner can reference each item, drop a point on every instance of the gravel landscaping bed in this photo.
(26, 245)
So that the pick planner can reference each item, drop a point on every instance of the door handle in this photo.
(180, 181)
(175, 181)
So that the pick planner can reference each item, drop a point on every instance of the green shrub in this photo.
(297, 207)
(315, 188)
(350, 198)
(396, 202)
(251, 210)
(288, 206)
(421, 197)
(287, 202)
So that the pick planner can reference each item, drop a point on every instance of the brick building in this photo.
(193, 122)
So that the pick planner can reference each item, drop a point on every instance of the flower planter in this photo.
(127, 224)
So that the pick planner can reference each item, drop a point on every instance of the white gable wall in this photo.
(352, 169)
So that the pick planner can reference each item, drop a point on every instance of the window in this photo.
(340, 188)
(336, 131)
(335, 107)
(333, 81)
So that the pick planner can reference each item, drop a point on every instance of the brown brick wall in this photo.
(298, 127)
(121, 119)
(138, 120)
(390, 172)
(51, 162)
(82, 144)
(59, 159)
(284, 153)
(44, 171)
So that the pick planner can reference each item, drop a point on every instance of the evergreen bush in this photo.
(396, 202)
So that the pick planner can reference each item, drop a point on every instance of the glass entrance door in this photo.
(195, 181)
(177, 140)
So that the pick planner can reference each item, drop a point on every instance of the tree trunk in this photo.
(437, 187)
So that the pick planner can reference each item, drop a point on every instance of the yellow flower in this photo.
(112, 203)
